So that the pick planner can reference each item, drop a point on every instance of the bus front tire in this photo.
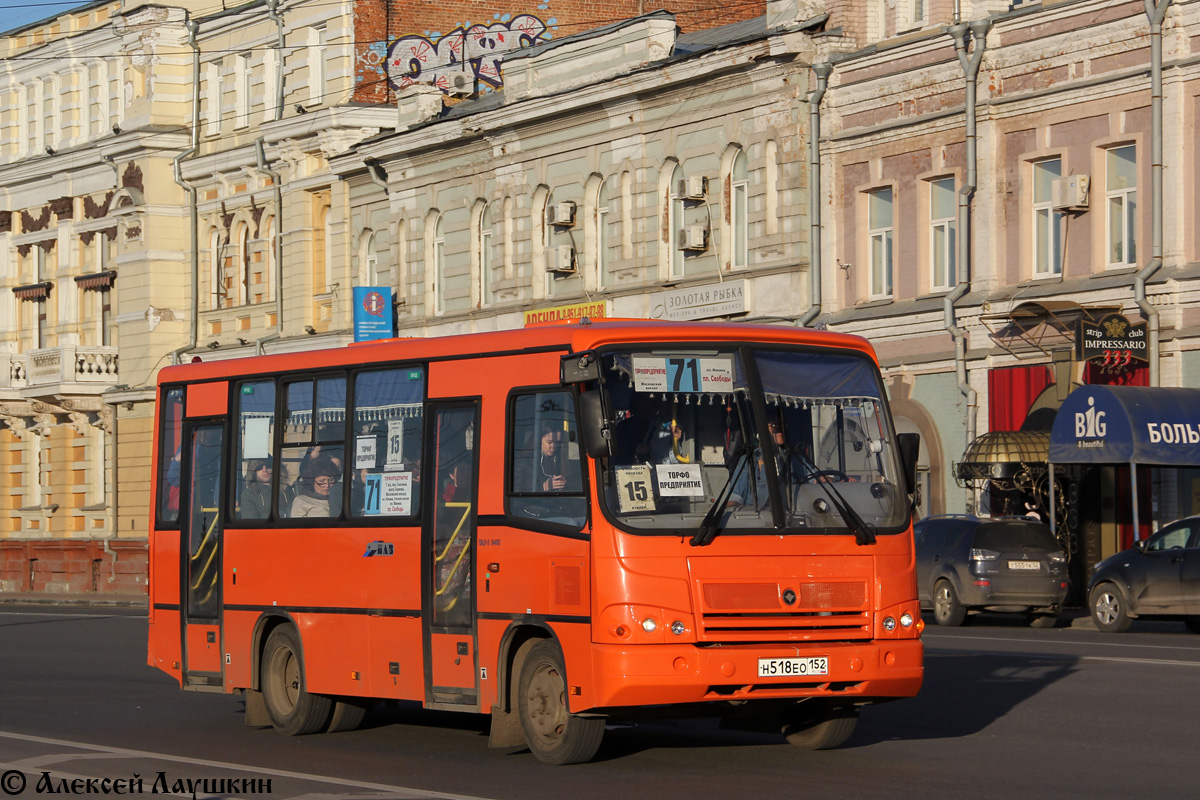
(554, 735)
(822, 729)
(292, 709)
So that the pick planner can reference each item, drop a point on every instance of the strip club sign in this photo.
(1113, 342)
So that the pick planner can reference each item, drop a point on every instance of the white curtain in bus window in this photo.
(386, 430)
(256, 434)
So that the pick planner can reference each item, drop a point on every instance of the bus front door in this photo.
(202, 531)
(451, 662)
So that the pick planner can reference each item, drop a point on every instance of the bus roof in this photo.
(572, 336)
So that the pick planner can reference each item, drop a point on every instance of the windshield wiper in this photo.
(864, 534)
(708, 526)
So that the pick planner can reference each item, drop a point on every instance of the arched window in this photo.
(435, 262)
(738, 215)
(670, 257)
(368, 261)
(595, 214)
(481, 257)
(539, 241)
(243, 264)
(269, 260)
(216, 289)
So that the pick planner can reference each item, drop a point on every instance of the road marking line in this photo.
(949, 638)
(122, 752)
(1063, 657)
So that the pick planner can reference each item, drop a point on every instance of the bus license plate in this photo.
(1024, 565)
(792, 667)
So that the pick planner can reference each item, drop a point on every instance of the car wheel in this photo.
(947, 610)
(1192, 623)
(1108, 609)
(1043, 620)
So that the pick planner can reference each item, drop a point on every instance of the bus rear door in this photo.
(203, 532)
(451, 662)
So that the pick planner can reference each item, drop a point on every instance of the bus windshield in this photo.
(795, 441)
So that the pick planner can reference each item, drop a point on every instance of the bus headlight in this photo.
(677, 627)
(649, 625)
(906, 619)
(889, 624)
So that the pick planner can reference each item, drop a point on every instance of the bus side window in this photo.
(545, 471)
(255, 467)
(385, 451)
(312, 466)
(170, 454)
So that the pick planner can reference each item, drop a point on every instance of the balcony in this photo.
(68, 371)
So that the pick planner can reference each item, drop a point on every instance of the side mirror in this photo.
(1140, 545)
(594, 425)
(579, 368)
(910, 451)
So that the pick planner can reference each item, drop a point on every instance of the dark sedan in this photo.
(967, 563)
(1158, 577)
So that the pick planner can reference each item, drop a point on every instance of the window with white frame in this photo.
(675, 220)
(879, 231)
(269, 269)
(486, 262)
(214, 268)
(941, 234)
(739, 212)
(243, 257)
(600, 233)
(242, 75)
(1047, 222)
(212, 86)
(439, 265)
(917, 13)
(33, 130)
(316, 65)
(1120, 184)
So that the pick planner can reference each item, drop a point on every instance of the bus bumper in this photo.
(643, 675)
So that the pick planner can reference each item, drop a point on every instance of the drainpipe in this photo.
(822, 71)
(970, 65)
(1156, 12)
(194, 215)
(261, 156)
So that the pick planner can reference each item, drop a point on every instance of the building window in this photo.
(879, 223)
(214, 268)
(596, 238)
(1120, 184)
(316, 65)
(435, 261)
(212, 85)
(242, 75)
(941, 234)
(675, 221)
(243, 256)
(269, 269)
(1047, 223)
(918, 13)
(483, 240)
(739, 212)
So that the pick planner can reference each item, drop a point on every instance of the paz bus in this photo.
(557, 526)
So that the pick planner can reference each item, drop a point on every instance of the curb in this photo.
(83, 601)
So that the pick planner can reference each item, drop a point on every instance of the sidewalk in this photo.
(82, 600)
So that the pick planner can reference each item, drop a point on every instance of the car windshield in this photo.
(784, 439)
(1001, 536)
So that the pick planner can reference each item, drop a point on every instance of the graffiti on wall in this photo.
(475, 49)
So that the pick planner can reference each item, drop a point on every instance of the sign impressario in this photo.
(1113, 341)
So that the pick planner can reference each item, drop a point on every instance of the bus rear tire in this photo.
(348, 714)
(292, 709)
(826, 729)
(554, 735)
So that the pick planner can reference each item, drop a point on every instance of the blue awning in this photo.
(1128, 424)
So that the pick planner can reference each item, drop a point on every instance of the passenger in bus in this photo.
(792, 467)
(317, 495)
(556, 470)
(255, 500)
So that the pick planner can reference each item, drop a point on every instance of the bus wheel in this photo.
(554, 736)
(292, 709)
(348, 714)
(826, 729)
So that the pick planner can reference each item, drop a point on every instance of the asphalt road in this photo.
(1006, 711)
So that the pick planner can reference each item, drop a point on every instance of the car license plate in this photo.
(1024, 565)
(792, 667)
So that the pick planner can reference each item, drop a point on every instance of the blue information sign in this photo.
(372, 313)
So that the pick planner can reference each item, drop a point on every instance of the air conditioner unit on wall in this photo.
(693, 237)
(563, 214)
(1071, 192)
(560, 260)
(460, 83)
(693, 187)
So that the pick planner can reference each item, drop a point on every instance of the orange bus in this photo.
(555, 526)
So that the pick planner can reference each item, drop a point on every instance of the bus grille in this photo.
(822, 611)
